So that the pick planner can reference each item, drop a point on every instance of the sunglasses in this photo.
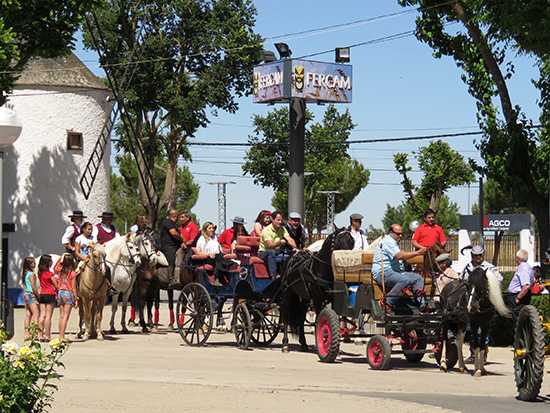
(399, 234)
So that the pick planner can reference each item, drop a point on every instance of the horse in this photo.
(123, 257)
(306, 278)
(473, 300)
(92, 293)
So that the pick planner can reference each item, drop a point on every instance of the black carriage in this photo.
(355, 305)
(254, 295)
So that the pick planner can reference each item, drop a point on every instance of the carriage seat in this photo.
(355, 267)
(247, 250)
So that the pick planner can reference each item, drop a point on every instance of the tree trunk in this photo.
(498, 240)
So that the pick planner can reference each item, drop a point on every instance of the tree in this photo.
(196, 57)
(125, 193)
(493, 31)
(443, 168)
(331, 168)
(448, 216)
(36, 28)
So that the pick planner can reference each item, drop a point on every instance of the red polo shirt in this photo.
(190, 231)
(427, 236)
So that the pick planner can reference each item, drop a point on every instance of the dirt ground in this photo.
(158, 372)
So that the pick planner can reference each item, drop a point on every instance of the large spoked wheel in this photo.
(327, 335)
(265, 325)
(413, 340)
(194, 314)
(451, 354)
(379, 353)
(529, 353)
(242, 326)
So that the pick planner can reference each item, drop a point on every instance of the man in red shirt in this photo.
(189, 230)
(226, 238)
(428, 233)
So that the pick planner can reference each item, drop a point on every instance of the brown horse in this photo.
(92, 293)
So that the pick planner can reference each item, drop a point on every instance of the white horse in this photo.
(123, 257)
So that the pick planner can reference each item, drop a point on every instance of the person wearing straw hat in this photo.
(72, 231)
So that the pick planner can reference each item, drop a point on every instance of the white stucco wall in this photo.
(41, 177)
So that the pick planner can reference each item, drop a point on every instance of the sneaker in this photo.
(111, 291)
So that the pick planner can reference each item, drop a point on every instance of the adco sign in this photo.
(510, 222)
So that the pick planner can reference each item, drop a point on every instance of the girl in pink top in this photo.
(67, 294)
(262, 221)
(48, 290)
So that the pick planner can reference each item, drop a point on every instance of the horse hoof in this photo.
(170, 327)
(443, 368)
(463, 370)
(478, 373)
(132, 323)
(154, 330)
(304, 349)
(113, 331)
(100, 337)
(85, 337)
(222, 329)
(285, 349)
(125, 331)
(145, 330)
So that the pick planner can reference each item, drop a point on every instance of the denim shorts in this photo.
(30, 298)
(65, 297)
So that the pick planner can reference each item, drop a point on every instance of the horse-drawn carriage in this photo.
(355, 312)
(254, 295)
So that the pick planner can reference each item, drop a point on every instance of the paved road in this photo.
(158, 372)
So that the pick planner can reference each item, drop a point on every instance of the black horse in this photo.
(306, 279)
(473, 300)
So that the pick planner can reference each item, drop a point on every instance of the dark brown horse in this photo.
(306, 278)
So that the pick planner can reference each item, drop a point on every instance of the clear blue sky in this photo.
(400, 90)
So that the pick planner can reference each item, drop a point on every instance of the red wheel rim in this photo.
(324, 337)
(375, 353)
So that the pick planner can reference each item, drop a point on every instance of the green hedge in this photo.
(502, 329)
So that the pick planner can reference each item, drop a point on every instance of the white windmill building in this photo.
(63, 107)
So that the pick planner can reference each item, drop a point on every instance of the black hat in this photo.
(77, 214)
(107, 215)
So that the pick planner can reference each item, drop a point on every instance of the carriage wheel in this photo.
(529, 353)
(194, 314)
(242, 326)
(451, 354)
(379, 353)
(413, 340)
(265, 326)
(327, 335)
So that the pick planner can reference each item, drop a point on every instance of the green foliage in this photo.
(36, 28)
(447, 217)
(443, 168)
(26, 371)
(497, 200)
(125, 197)
(330, 166)
(199, 58)
(489, 34)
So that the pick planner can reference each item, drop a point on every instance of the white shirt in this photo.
(360, 238)
(85, 244)
(69, 232)
(210, 247)
(485, 265)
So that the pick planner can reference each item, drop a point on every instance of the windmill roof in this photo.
(66, 71)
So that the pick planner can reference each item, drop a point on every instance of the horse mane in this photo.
(495, 296)
(113, 248)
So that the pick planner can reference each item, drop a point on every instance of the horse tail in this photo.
(495, 295)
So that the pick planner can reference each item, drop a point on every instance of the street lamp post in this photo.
(10, 129)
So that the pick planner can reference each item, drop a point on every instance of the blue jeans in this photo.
(396, 282)
(271, 258)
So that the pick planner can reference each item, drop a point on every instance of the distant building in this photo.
(63, 107)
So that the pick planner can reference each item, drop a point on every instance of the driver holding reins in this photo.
(390, 257)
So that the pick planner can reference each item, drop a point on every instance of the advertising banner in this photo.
(500, 222)
(302, 79)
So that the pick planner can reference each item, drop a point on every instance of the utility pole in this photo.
(330, 208)
(221, 202)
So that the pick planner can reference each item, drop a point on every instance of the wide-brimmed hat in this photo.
(238, 220)
(107, 215)
(77, 214)
(443, 257)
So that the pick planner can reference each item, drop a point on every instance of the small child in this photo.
(83, 245)
(67, 293)
(31, 294)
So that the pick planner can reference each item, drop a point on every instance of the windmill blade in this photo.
(120, 89)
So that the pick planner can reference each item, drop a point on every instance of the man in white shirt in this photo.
(357, 233)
